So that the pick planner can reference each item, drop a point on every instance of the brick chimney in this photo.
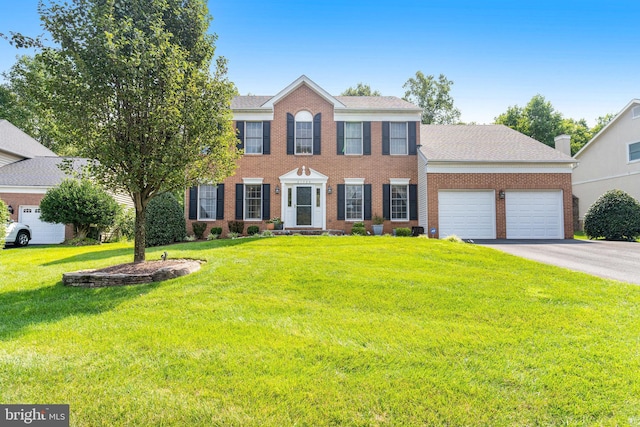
(563, 144)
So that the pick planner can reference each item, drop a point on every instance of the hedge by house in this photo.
(165, 221)
(614, 216)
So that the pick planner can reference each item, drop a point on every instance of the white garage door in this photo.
(41, 232)
(467, 214)
(534, 214)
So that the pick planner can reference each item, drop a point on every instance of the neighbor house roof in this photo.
(484, 143)
(15, 141)
(37, 172)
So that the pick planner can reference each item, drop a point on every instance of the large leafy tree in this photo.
(133, 82)
(432, 95)
(361, 89)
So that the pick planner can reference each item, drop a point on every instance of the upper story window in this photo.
(353, 138)
(634, 151)
(253, 138)
(207, 200)
(304, 133)
(635, 112)
(398, 138)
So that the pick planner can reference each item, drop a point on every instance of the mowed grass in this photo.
(315, 331)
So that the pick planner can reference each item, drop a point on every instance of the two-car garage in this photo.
(475, 214)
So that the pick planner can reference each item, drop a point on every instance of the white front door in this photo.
(304, 204)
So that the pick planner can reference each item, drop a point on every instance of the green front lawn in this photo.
(321, 331)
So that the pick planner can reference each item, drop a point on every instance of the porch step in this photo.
(306, 232)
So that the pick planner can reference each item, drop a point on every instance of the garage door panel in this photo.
(534, 214)
(42, 233)
(467, 214)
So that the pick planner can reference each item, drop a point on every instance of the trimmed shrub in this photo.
(614, 216)
(212, 236)
(403, 232)
(253, 229)
(236, 227)
(81, 203)
(198, 229)
(4, 215)
(358, 229)
(216, 230)
(165, 221)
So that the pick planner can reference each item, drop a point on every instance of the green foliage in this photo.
(253, 229)
(213, 236)
(233, 235)
(123, 227)
(199, 228)
(360, 90)
(236, 226)
(403, 232)
(81, 203)
(433, 97)
(4, 215)
(134, 83)
(165, 221)
(267, 233)
(378, 219)
(453, 238)
(614, 216)
(216, 230)
(358, 229)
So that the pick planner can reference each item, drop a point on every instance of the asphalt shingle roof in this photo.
(484, 143)
(15, 141)
(354, 102)
(39, 171)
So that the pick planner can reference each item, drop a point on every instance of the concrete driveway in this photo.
(611, 260)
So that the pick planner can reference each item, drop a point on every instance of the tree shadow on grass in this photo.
(49, 304)
(93, 256)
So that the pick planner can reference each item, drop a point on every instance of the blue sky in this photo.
(582, 56)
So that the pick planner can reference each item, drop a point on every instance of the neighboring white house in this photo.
(611, 160)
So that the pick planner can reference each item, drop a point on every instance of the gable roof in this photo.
(378, 103)
(484, 143)
(631, 104)
(37, 172)
(16, 142)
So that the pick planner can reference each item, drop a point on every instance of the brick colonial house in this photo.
(323, 162)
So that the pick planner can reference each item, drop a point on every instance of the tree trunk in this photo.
(140, 231)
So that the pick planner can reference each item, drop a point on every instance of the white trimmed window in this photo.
(354, 202)
(398, 138)
(253, 138)
(353, 138)
(207, 200)
(635, 112)
(634, 152)
(304, 133)
(253, 201)
(399, 202)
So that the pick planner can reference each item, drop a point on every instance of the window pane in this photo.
(399, 202)
(253, 201)
(634, 151)
(207, 202)
(354, 202)
(353, 138)
(398, 138)
(253, 138)
(304, 138)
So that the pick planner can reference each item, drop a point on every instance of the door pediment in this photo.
(303, 176)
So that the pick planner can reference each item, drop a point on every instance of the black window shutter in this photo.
(386, 201)
(366, 138)
(266, 137)
(341, 202)
(291, 123)
(317, 122)
(413, 201)
(340, 138)
(220, 201)
(239, 201)
(193, 202)
(413, 148)
(266, 201)
(240, 127)
(385, 138)
(367, 201)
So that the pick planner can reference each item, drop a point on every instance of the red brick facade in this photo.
(497, 182)
(376, 169)
(28, 199)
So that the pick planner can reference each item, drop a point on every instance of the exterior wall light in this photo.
(277, 189)
(329, 190)
(501, 194)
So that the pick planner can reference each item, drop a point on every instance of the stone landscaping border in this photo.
(100, 278)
